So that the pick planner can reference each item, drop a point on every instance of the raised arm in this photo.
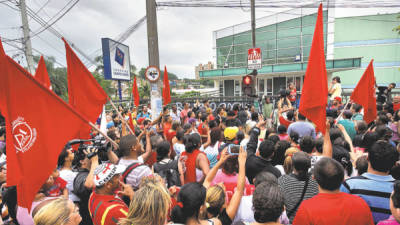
(327, 147)
(147, 154)
(211, 175)
(233, 206)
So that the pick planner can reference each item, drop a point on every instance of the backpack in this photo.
(169, 172)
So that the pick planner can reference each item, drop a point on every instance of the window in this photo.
(260, 87)
(269, 86)
(237, 88)
(221, 88)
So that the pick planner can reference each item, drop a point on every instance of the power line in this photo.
(47, 25)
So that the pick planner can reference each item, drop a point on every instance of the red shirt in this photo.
(201, 129)
(190, 165)
(152, 159)
(166, 128)
(106, 209)
(396, 106)
(58, 186)
(284, 122)
(334, 209)
(292, 95)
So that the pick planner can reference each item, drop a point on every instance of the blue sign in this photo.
(116, 60)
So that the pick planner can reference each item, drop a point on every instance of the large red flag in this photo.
(85, 94)
(364, 93)
(41, 74)
(135, 92)
(315, 88)
(38, 125)
(166, 89)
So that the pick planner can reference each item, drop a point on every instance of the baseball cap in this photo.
(105, 172)
(230, 133)
(339, 99)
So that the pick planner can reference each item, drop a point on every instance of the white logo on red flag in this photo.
(24, 135)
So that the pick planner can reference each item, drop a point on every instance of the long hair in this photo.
(149, 206)
(55, 212)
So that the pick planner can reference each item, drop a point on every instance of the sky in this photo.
(185, 35)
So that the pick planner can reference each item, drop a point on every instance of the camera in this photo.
(99, 143)
(233, 149)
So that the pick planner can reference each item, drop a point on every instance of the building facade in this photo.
(285, 41)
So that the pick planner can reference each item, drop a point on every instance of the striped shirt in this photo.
(375, 190)
(292, 188)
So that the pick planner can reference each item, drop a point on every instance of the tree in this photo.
(398, 27)
(57, 76)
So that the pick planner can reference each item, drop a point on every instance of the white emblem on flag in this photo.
(24, 135)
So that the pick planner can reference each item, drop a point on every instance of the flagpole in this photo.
(120, 116)
(104, 135)
(343, 111)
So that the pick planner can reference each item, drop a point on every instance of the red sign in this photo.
(254, 58)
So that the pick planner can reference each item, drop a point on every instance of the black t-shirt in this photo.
(84, 194)
(224, 218)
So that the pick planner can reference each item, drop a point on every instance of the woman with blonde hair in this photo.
(149, 205)
(287, 164)
(60, 211)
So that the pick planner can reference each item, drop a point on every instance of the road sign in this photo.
(152, 74)
(254, 58)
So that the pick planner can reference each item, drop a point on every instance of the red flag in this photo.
(130, 123)
(135, 92)
(38, 125)
(85, 94)
(166, 89)
(315, 88)
(364, 93)
(41, 74)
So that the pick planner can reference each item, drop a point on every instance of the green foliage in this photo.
(189, 94)
(144, 90)
(398, 27)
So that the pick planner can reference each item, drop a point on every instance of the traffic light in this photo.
(247, 85)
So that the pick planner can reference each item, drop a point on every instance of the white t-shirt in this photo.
(179, 148)
(136, 175)
(69, 176)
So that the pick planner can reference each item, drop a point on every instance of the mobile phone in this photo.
(233, 149)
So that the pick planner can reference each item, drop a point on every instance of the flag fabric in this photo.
(130, 122)
(85, 94)
(135, 93)
(38, 125)
(103, 121)
(364, 93)
(41, 74)
(166, 89)
(315, 88)
(2, 95)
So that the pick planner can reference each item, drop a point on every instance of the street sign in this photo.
(152, 74)
(254, 58)
(115, 60)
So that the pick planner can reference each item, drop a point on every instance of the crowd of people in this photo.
(239, 165)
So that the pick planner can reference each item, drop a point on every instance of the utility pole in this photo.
(253, 22)
(154, 59)
(27, 41)
(253, 36)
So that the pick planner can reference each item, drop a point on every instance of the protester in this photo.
(376, 185)
(60, 211)
(335, 89)
(195, 162)
(394, 219)
(149, 206)
(299, 185)
(331, 206)
(104, 207)
(256, 164)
